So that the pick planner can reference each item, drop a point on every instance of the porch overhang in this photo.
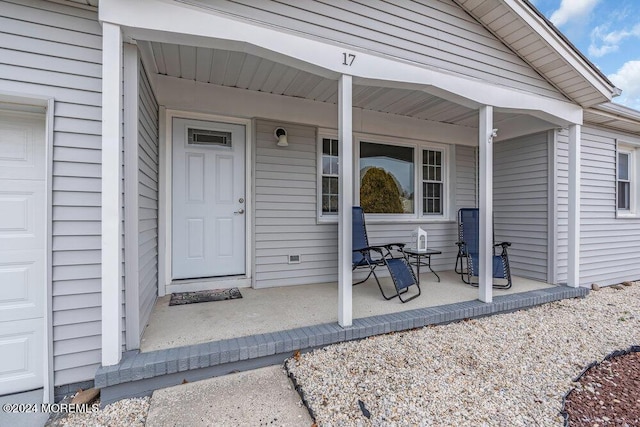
(156, 21)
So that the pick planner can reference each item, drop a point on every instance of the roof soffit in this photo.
(523, 29)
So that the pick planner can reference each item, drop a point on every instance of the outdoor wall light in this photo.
(281, 136)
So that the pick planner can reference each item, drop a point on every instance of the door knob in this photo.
(241, 211)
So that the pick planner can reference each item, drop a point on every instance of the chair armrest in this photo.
(369, 249)
(391, 245)
(504, 246)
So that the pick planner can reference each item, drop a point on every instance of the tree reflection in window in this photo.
(386, 178)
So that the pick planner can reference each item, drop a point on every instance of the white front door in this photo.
(208, 225)
(22, 251)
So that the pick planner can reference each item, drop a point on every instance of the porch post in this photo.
(573, 263)
(111, 177)
(131, 266)
(345, 200)
(485, 142)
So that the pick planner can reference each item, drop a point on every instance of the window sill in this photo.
(369, 220)
(627, 215)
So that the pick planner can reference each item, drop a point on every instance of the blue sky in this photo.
(608, 33)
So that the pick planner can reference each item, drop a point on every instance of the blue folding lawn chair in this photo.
(401, 272)
(467, 261)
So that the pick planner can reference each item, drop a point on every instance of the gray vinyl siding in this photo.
(285, 211)
(285, 217)
(147, 197)
(436, 33)
(466, 177)
(609, 246)
(48, 49)
(520, 202)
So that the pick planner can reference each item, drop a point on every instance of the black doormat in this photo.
(182, 298)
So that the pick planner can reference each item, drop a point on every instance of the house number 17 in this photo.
(348, 58)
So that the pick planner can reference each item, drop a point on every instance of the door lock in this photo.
(240, 211)
(241, 200)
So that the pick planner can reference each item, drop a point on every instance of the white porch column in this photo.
(131, 267)
(345, 200)
(111, 176)
(573, 263)
(485, 142)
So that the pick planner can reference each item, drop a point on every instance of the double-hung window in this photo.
(432, 182)
(329, 177)
(626, 185)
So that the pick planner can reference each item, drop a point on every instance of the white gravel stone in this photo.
(504, 370)
(125, 412)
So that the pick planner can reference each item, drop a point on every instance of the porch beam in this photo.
(485, 142)
(345, 200)
(573, 263)
(111, 177)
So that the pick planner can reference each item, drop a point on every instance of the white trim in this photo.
(552, 207)
(485, 267)
(199, 26)
(164, 256)
(452, 178)
(207, 283)
(345, 200)
(49, 379)
(131, 276)
(573, 255)
(111, 174)
(164, 204)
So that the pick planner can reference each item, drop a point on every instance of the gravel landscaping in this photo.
(123, 413)
(504, 370)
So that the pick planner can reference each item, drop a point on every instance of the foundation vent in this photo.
(294, 259)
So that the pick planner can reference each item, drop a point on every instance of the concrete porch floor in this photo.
(262, 311)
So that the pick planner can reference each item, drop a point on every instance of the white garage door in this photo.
(22, 250)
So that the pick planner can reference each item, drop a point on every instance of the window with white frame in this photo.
(626, 184)
(624, 181)
(432, 182)
(395, 180)
(329, 177)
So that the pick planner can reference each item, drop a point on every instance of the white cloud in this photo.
(604, 41)
(572, 10)
(627, 78)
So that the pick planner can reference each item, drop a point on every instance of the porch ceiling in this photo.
(250, 72)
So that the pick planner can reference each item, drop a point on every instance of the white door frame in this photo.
(165, 283)
(26, 102)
